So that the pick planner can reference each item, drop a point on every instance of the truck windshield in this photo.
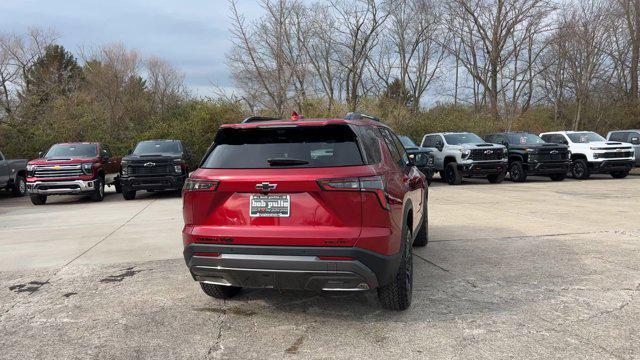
(303, 146)
(585, 137)
(407, 142)
(524, 139)
(158, 147)
(463, 138)
(72, 151)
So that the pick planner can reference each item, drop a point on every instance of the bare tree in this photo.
(166, 84)
(358, 24)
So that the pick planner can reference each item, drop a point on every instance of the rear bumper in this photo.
(289, 267)
(608, 166)
(67, 187)
(548, 167)
(483, 168)
(166, 182)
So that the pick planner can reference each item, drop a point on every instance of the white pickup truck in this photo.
(12, 175)
(593, 154)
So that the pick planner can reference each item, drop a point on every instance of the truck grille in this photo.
(58, 171)
(150, 170)
(549, 156)
(615, 155)
(486, 154)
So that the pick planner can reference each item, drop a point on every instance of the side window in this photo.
(401, 149)
(388, 139)
(618, 136)
(490, 139)
(430, 141)
(369, 144)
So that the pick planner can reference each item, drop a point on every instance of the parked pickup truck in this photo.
(12, 175)
(629, 136)
(465, 154)
(530, 155)
(591, 153)
(415, 152)
(154, 165)
(73, 168)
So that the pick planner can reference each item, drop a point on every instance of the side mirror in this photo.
(635, 141)
(104, 155)
(419, 160)
(40, 153)
(187, 155)
(505, 143)
(439, 145)
(130, 151)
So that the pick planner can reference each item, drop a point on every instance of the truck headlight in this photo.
(465, 153)
(87, 168)
(31, 170)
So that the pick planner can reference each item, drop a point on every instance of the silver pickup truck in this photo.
(13, 175)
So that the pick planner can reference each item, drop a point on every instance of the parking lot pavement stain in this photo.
(233, 310)
(30, 287)
(70, 294)
(293, 349)
(128, 272)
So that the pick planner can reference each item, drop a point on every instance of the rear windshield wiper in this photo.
(286, 161)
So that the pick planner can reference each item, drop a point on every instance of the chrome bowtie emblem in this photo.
(488, 152)
(554, 152)
(150, 164)
(265, 186)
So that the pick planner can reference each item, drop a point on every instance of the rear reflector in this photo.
(207, 254)
(336, 258)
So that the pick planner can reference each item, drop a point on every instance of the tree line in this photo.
(421, 65)
(511, 63)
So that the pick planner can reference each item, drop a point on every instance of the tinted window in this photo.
(304, 146)
(369, 143)
(554, 138)
(401, 149)
(524, 139)
(618, 136)
(585, 137)
(158, 147)
(72, 151)
(388, 139)
(430, 141)
(463, 138)
(407, 142)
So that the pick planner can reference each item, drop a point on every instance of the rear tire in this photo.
(37, 199)
(517, 173)
(452, 174)
(219, 291)
(496, 178)
(19, 187)
(580, 169)
(619, 174)
(118, 186)
(397, 294)
(558, 177)
(98, 192)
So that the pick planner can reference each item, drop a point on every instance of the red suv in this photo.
(314, 204)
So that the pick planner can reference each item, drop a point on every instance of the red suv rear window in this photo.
(298, 146)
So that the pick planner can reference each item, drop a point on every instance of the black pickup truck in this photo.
(154, 165)
(13, 174)
(530, 155)
(414, 151)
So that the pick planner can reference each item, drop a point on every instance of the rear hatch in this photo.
(284, 185)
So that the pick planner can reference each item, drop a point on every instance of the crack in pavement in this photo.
(533, 237)
(430, 262)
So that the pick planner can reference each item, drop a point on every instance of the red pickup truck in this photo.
(73, 168)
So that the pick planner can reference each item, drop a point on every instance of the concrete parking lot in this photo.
(533, 270)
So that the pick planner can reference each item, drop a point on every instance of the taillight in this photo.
(200, 185)
(374, 184)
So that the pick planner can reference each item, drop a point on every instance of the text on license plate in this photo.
(269, 205)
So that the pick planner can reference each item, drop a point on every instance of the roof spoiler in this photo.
(252, 119)
(360, 116)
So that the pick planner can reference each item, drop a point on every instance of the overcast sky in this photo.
(193, 35)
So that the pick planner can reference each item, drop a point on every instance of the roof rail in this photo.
(259, 118)
(360, 116)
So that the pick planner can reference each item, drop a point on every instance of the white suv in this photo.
(463, 154)
(591, 153)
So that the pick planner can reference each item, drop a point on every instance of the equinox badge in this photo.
(265, 186)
